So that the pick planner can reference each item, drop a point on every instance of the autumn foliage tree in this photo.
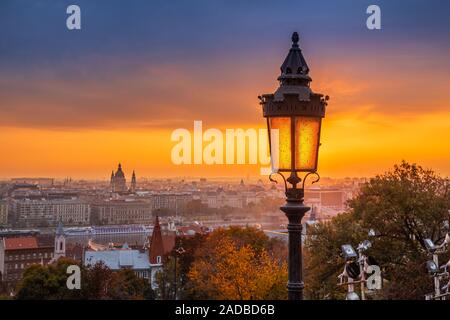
(238, 264)
(404, 207)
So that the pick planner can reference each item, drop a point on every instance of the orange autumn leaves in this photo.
(231, 269)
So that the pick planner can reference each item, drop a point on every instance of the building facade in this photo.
(220, 199)
(175, 201)
(331, 198)
(47, 212)
(18, 253)
(122, 212)
(3, 213)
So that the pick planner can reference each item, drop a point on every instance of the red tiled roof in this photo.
(21, 243)
(168, 242)
(156, 243)
(74, 251)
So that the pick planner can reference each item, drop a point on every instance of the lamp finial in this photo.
(295, 39)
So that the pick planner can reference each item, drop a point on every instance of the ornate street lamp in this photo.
(294, 116)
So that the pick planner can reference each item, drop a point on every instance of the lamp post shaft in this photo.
(295, 210)
(175, 279)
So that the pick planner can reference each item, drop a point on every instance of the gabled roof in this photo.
(156, 243)
(21, 243)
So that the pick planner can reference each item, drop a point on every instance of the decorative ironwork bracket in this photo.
(294, 193)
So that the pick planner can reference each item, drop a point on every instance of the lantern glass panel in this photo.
(280, 150)
(307, 131)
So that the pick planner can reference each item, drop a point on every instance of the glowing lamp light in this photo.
(294, 116)
(298, 142)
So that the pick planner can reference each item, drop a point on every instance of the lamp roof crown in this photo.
(295, 66)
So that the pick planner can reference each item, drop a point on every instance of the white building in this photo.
(30, 212)
(123, 258)
(145, 263)
(122, 212)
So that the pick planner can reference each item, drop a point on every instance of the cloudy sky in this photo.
(74, 103)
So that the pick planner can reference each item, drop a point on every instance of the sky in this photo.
(77, 102)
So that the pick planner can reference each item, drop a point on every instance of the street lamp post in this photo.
(294, 116)
(178, 252)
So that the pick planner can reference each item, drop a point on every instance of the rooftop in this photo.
(21, 243)
(118, 259)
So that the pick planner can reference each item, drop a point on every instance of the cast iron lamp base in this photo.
(295, 211)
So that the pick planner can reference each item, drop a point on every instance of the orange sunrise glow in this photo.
(388, 101)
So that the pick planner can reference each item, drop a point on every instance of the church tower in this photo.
(156, 250)
(60, 243)
(118, 182)
(112, 181)
(133, 183)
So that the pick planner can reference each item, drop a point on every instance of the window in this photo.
(158, 259)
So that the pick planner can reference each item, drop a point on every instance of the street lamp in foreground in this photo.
(294, 116)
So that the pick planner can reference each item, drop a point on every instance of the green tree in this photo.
(98, 282)
(46, 282)
(125, 285)
(404, 206)
(95, 281)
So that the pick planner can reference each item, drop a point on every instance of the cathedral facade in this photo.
(119, 183)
